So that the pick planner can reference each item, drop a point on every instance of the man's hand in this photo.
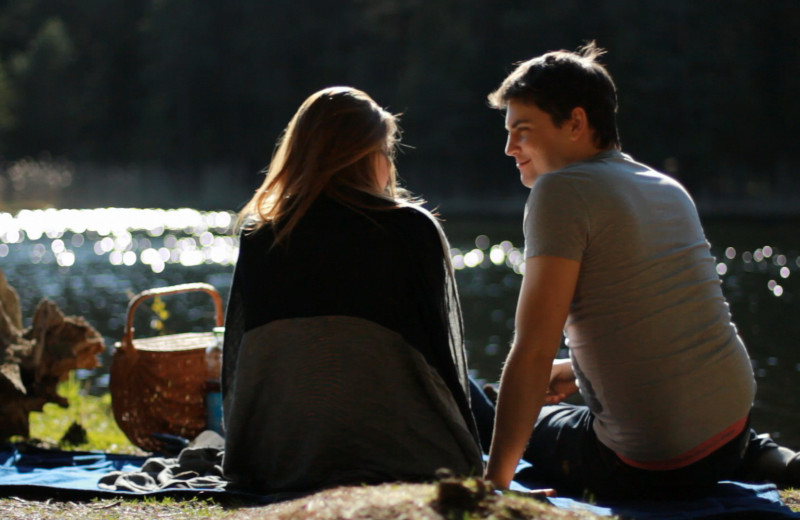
(562, 382)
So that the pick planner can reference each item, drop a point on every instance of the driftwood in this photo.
(34, 360)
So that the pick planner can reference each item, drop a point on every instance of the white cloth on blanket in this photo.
(194, 468)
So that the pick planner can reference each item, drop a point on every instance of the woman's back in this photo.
(339, 360)
(373, 264)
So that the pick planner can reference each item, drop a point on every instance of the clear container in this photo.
(213, 387)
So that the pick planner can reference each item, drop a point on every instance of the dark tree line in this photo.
(708, 90)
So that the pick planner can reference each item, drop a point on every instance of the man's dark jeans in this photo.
(565, 454)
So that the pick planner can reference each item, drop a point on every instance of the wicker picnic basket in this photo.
(157, 384)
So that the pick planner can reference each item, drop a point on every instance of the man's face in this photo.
(537, 145)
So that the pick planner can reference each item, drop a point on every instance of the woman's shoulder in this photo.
(415, 211)
(415, 217)
(328, 215)
(387, 211)
(257, 235)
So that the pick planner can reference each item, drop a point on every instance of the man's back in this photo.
(616, 256)
(657, 359)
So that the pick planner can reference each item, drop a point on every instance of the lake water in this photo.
(91, 262)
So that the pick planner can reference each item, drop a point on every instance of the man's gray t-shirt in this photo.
(657, 358)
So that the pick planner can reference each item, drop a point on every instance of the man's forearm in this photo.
(545, 296)
(522, 389)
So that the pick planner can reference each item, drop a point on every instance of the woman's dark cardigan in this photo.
(388, 266)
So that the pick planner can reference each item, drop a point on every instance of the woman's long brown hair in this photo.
(332, 143)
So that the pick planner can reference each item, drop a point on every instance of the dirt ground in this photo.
(444, 500)
(447, 499)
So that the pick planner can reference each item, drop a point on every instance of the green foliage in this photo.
(6, 103)
(161, 315)
(44, 121)
(187, 86)
(94, 413)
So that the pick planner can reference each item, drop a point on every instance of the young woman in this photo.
(343, 359)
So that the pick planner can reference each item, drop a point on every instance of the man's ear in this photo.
(578, 123)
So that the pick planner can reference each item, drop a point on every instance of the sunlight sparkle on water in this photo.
(515, 259)
(497, 255)
(474, 258)
(129, 258)
(150, 256)
(65, 258)
(103, 246)
(776, 289)
(191, 257)
(12, 236)
(482, 242)
(500, 254)
(206, 238)
(124, 236)
(456, 258)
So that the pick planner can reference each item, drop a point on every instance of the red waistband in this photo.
(699, 452)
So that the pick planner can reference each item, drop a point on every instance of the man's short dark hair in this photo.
(558, 82)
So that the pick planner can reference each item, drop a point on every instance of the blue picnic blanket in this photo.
(29, 468)
(728, 500)
(75, 475)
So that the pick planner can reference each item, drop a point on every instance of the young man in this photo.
(618, 261)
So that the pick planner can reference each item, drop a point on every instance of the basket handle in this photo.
(127, 338)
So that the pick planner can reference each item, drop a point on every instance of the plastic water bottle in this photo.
(213, 387)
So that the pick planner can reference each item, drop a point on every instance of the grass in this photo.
(461, 499)
(92, 413)
(111, 509)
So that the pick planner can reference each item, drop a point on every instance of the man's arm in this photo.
(546, 293)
